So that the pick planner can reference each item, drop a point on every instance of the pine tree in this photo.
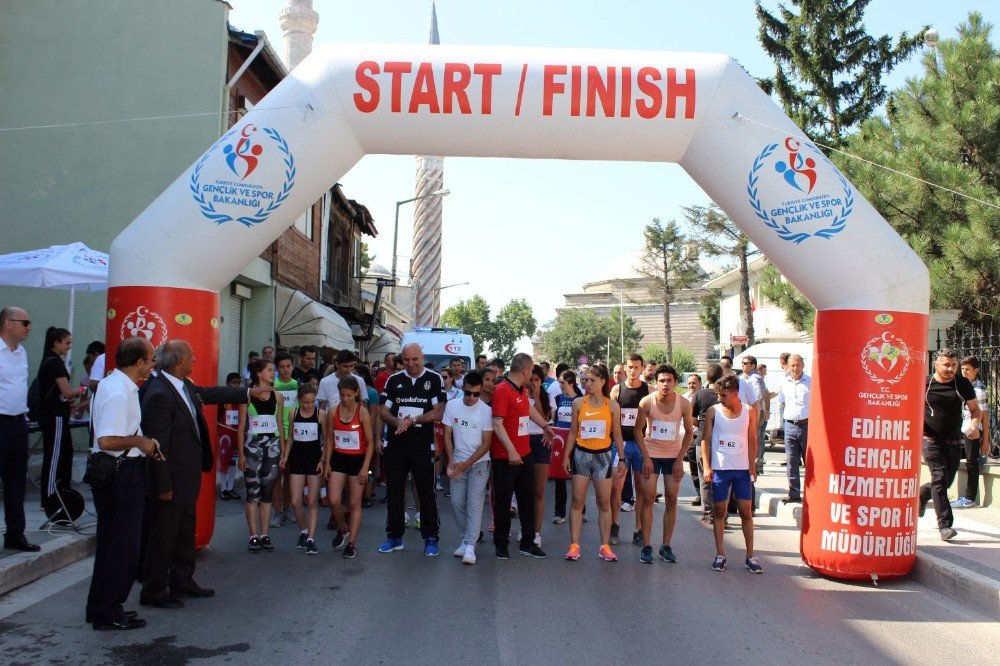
(718, 236)
(944, 128)
(670, 262)
(828, 68)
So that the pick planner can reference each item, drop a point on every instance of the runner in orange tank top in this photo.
(660, 418)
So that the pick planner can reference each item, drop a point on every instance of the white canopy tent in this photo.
(74, 267)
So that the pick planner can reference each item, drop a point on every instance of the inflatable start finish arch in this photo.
(701, 111)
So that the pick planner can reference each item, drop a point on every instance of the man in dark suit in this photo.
(172, 414)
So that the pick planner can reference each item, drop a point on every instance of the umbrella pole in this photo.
(69, 327)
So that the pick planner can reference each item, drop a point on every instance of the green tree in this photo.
(366, 259)
(654, 353)
(708, 313)
(718, 236)
(580, 332)
(473, 317)
(942, 127)
(684, 360)
(513, 322)
(798, 311)
(670, 262)
(828, 68)
(615, 324)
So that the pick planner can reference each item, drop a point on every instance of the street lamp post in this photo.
(395, 232)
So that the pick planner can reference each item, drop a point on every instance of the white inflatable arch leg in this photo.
(699, 110)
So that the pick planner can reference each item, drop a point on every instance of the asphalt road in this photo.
(406, 607)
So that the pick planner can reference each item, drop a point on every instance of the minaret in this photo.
(298, 22)
(425, 266)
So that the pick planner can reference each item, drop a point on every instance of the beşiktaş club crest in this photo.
(885, 358)
(427, 385)
(244, 177)
(802, 194)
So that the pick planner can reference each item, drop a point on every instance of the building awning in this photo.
(382, 342)
(300, 321)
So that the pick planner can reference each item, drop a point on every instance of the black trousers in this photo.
(972, 467)
(628, 490)
(943, 458)
(398, 461)
(57, 456)
(169, 558)
(13, 472)
(120, 507)
(510, 480)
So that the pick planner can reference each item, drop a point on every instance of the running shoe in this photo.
(637, 539)
(627, 507)
(431, 547)
(538, 539)
(460, 551)
(667, 555)
(302, 540)
(469, 557)
(254, 545)
(558, 520)
(311, 548)
(646, 555)
(406, 519)
(265, 544)
(533, 551)
(719, 564)
(963, 503)
(947, 533)
(753, 566)
(416, 521)
(439, 486)
(339, 539)
(614, 534)
(659, 498)
(288, 515)
(696, 501)
(349, 552)
(503, 553)
(277, 520)
(574, 552)
(607, 554)
(390, 545)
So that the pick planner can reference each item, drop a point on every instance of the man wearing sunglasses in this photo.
(14, 328)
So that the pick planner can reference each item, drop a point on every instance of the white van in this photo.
(440, 345)
(768, 353)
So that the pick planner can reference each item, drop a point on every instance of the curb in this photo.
(23, 568)
(952, 580)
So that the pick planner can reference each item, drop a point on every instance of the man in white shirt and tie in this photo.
(793, 395)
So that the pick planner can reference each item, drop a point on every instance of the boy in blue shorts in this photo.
(729, 445)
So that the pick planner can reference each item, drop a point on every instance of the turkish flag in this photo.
(438, 438)
(558, 451)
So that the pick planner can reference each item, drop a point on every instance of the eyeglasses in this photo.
(472, 394)
(24, 322)
(744, 362)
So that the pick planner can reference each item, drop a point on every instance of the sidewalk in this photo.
(61, 546)
(967, 568)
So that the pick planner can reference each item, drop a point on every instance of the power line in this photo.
(132, 120)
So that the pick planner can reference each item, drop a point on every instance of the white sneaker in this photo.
(627, 507)
(406, 519)
(470, 555)
(538, 539)
(460, 551)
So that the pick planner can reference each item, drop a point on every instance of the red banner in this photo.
(558, 452)
(863, 454)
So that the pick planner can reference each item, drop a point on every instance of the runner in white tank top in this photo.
(729, 443)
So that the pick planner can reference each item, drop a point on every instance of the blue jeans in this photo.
(795, 453)
(468, 494)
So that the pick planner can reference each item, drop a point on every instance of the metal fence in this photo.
(981, 340)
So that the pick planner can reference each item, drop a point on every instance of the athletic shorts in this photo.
(347, 463)
(663, 465)
(304, 457)
(591, 464)
(541, 453)
(633, 456)
(737, 479)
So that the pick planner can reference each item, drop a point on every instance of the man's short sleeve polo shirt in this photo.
(511, 404)
(408, 396)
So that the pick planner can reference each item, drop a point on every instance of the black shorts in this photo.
(541, 453)
(304, 457)
(347, 463)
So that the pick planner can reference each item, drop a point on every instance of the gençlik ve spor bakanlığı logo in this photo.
(244, 177)
(809, 210)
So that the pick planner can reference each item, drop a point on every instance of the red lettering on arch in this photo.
(424, 90)
(603, 89)
(645, 79)
(684, 90)
(368, 84)
(397, 69)
(551, 87)
(487, 71)
(456, 79)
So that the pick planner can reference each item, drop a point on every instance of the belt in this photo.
(798, 422)
(11, 417)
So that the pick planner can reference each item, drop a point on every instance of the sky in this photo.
(561, 222)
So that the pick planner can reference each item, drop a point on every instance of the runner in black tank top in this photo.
(303, 458)
(623, 495)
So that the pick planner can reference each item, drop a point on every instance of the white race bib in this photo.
(412, 412)
(291, 398)
(593, 429)
(305, 432)
(347, 440)
(565, 414)
(264, 424)
(522, 426)
(665, 431)
(629, 415)
(232, 418)
(729, 448)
